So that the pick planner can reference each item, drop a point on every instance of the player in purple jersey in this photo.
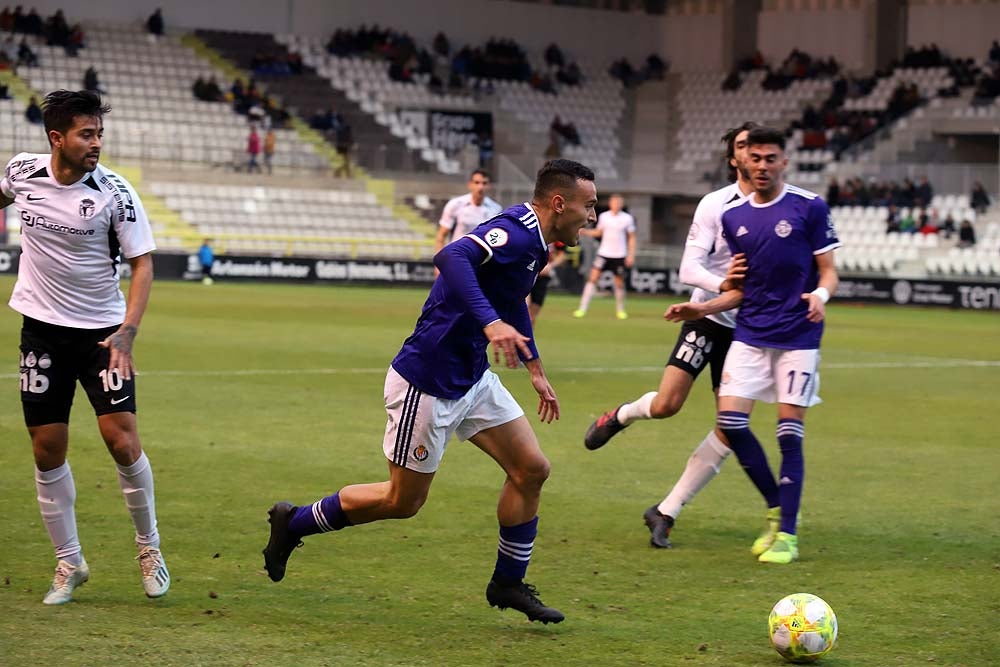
(787, 237)
(440, 384)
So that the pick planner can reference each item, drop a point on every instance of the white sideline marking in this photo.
(922, 362)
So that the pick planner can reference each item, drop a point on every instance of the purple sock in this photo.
(791, 432)
(736, 426)
(320, 517)
(514, 551)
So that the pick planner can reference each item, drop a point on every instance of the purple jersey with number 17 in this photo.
(780, 240)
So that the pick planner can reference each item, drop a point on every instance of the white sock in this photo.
(620, 298)
(56, 498)
(588, 293)
(704, 464)
(136, 482)
(637, 409)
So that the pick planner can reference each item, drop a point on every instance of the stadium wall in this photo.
(968, 295)
(961, 29)
(585, 33)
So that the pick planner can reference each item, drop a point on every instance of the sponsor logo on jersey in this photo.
(783, 229)
(87, 209)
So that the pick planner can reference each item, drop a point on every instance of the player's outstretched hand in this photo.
(683, 312)
(120, 343)
(505, 337)
(735, 273)
(817, 309)
(548, 404)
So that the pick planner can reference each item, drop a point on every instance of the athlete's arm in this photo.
(828, 281)
(456, 263)
(5, 199)
(441, 236)
(683, 312)
(120, 342)
(630, 258)
(548, 404)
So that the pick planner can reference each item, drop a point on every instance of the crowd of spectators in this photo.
(55, 30)
(269, 63)
(856, 192)
(654, 69)
(247, 100)
(797, 66)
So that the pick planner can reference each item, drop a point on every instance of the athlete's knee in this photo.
(404, 506)
(666, 405)
(531, 475)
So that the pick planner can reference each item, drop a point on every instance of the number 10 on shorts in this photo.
(112, 380)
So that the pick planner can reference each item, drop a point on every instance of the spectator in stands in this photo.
(833, 193)
(344, 144)
(948, 226)
(924, 193)
(253, 150)
(295, 62)
(34, 112)
(76, 41)
(994, 56)
(978, 199)
(554, 149)
(623, 71)
(554, 56)
(441, 45)
(892, 220)
(25, 56)
(966, 235)
(269, 141)
(8, 53)
(655, 69)
(926, 224)
(154, 24)
(570, 75)
(733, 81)
(57, 30)
(6, 20)
(33, 24)
(907, 224)
(91, 82)
(4, 94)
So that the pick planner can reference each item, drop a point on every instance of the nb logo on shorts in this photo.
(694, 350)
(33, 382)
(420, 453)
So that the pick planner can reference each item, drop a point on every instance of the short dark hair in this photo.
(482, 172)
(560, 175)
(729, 139)
(766, 135)
(62, 106)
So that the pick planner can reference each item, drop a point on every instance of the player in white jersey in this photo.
(616, 253)
(77, 218)
(701, 343)
(464, 213)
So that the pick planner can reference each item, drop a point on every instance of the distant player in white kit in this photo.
(466, 212)
(76, 219)
(616, 254)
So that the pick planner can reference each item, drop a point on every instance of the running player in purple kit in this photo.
(440, 384)
(787, 237)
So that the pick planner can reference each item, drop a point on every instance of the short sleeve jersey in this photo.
(446, 353)
(615, 228)
(780, 239)
(71, 240)
(706, 233)
(461, 215)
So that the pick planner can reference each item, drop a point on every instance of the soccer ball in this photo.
(802, 627)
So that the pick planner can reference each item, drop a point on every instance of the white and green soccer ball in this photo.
(802, 627)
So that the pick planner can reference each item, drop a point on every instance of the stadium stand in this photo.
(155, 116)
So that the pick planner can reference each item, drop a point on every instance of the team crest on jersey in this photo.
(420, 453)
(87, 209)
(496, 237)
(783, 229)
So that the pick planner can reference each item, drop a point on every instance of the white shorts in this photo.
(771, 375)
(420, 426)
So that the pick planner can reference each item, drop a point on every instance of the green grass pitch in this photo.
(251, 394)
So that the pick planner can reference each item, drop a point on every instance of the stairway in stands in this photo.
(376, 148)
